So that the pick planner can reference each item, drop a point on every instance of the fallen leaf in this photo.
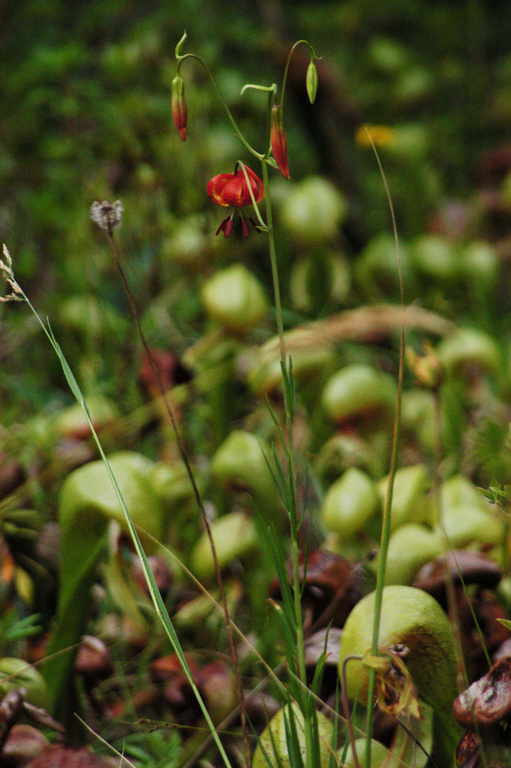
(488, 700)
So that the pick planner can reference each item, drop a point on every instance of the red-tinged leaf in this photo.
(64, 757)
(488, 700)
(23, 744)
(93, 658)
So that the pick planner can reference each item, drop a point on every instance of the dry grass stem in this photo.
(364, 324)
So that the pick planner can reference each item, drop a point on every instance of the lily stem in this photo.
(387, 509)
(287, 434)
(228, 112)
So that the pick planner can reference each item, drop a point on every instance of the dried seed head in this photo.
(106, 215)
(7, 274)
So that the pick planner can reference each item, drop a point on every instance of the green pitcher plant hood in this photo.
(411, 618)
(87, 504)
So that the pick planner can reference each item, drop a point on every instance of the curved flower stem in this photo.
(271, 102)
(273, 262)
(257, 212)
(230, 116)
(287, 435)
(117, 259)
(387, 510)
(159, 605)
(346, 708)
(256, 87)
(452, 606)
(288, 62)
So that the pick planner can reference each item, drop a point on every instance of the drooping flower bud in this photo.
(311, 81)
(178, 106)
(278, 140)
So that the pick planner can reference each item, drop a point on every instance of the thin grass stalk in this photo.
(271, 673)
(181, 58)
(99, 737)
(291, 508)
(462, 674)
(116, 255)
(451, 597)
(159, 605)
(461, 677)
(191, 761)
(504, 545)
(387, 508)
(346, 708)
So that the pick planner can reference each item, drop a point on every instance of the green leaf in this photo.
(87, 503)
(505, 623)
(93, 553)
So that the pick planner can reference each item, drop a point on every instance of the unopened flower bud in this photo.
(311, 81)
(279, 141)
(178, 105)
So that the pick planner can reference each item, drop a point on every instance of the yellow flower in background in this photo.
(382, 135)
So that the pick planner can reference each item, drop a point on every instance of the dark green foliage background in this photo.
(85, 115)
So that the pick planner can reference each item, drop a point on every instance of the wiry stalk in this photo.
(287, 434)
(160, 608)
(387, 508)
(116, 255)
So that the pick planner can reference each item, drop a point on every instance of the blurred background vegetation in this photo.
(85, 116)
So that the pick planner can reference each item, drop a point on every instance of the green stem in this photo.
(288, 62)
(346, 708)
(452, 606)
(262, 226)
(504, 543)
(116, 254)
(288, 445)
(228, 112)
(387, 510)
(154, 592)
(273, 262)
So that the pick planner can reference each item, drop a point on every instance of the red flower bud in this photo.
(178, 105)
(278, 140)
(232, 189)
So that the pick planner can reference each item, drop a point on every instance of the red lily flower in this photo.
(278, 141)
(227, 189)
(231, 189)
